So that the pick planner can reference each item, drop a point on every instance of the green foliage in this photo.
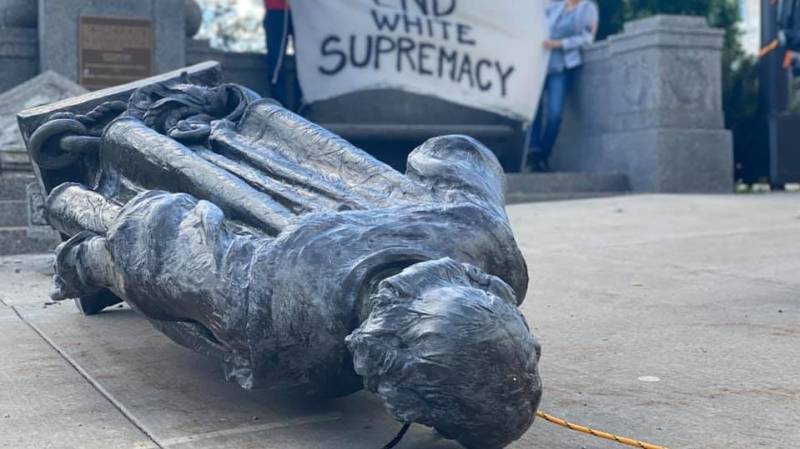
(614, 13)
(612, 17)
(642, 8)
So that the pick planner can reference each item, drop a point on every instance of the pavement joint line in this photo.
(161, 444)
(96, 385)
(313, 419)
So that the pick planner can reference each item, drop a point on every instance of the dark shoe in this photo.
(536, 163)
(532, 162)
(544, 165)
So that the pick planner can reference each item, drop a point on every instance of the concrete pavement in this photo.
(674, 319)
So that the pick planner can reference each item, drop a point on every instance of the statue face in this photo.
(446, 346)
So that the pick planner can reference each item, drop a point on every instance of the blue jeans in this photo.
(554, 95)
(277, 26)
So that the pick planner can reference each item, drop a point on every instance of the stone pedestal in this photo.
(46, 88)
(18, 56)
(59, 23)
(648, 103)
(23, 227)
(18, 42)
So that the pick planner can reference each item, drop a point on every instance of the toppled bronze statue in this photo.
(251, 235)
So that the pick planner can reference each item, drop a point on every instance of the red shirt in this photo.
(276, 4)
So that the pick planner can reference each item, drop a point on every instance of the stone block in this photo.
(18, 13)
(665, 21)
(648, 103)
(666, 73)
(19, 56)
(535, 187)
(13, 213)
(13, 186)
(59, 23)
(38, 227)
(672, 160)
(44, 89)
(565, 182)
(16, 241)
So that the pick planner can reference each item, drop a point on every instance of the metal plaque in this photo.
(114, 50)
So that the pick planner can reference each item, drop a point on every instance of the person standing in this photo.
(278, 28)
(573, 25)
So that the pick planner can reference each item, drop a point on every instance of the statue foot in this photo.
(96, 302)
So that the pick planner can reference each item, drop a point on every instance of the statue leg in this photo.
(170, 256)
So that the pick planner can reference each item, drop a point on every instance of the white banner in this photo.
(486, 54)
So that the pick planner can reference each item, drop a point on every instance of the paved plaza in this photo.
(674, 319)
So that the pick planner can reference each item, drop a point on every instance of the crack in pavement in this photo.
(83, 373)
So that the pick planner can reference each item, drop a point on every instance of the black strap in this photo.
(396, 440)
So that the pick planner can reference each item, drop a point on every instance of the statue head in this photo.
(444, 345)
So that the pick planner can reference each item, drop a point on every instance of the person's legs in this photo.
(293, 96)
(556, 91)
(535, 133)
(274, 24)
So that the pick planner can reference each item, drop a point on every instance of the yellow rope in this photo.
(597, 433)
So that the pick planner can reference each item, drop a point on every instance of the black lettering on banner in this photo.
(479, 74)
(367, 52)
(504, 74)
(463, 32)
(381, 49)
(382, 4)
(447, 57)
(466, 69)
(424, 55)
(422, 5)
(396, 42)
(405, 45)
(440, 10)
(445, 29)
(328, 51)
(408, 22)
(384, 21)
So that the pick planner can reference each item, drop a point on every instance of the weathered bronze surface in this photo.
(251, 235)
(114, 50)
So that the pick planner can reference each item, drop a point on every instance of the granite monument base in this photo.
(659, 160)
(648, 103)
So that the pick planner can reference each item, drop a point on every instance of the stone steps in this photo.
(13, 213)
(14, 218)
(12, 186)
(14, 240)
(532, 187)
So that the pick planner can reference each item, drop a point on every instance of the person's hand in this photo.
(552, 44)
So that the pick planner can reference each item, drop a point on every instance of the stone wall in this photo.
(648, 103)
(19, 43)
(58, 25)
